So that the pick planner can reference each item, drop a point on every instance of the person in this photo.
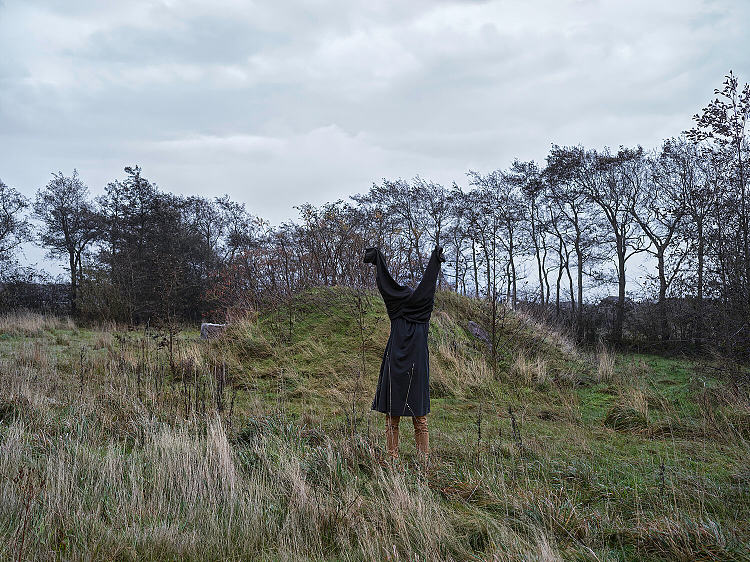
(404, 382)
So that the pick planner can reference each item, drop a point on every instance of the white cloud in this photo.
(276, 103)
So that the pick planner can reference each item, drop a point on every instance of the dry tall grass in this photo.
(88, 476)
(605, 365)
(24, 323)
(531, 371)
(549, 334)
(127, 451)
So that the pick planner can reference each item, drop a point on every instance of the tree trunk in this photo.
(487, 266)
(73, 284)
(458, 255)
(579, 312)
(545, 272)
(664, 332)
(744, 218)
(476, 269)
(560, 271)
(620, 312)
(512, 267)
(570, 286)
(539, 270)
(699, 308)
(510, 282)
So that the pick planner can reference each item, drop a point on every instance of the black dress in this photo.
(404, 383)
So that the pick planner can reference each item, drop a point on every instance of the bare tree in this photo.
(505, 218)
(458, 233)
(659, 186)
(527, 177)
(402, 201)
(14, 227)
(70, 224)
(602, 178)
(434, 198)
(575, 207)
(706, 168)
(724, 121)
(564, 250)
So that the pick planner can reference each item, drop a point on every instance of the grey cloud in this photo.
(276, 103)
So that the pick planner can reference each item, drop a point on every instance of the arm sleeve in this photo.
(392, 292)
(425, 292)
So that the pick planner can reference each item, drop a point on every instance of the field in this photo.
(122, 443)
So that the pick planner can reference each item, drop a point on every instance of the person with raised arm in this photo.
(404, 383)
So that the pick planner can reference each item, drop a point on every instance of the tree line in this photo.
(550, 237)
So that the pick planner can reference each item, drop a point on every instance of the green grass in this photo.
(648, 461)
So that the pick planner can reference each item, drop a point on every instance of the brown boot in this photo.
(422, 438)
(391, 435)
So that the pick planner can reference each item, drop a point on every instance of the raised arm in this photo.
(393, 293)
(419, 307)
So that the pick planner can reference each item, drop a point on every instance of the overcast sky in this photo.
(277, 103)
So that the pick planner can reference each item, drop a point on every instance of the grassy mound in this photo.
(326, 344)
